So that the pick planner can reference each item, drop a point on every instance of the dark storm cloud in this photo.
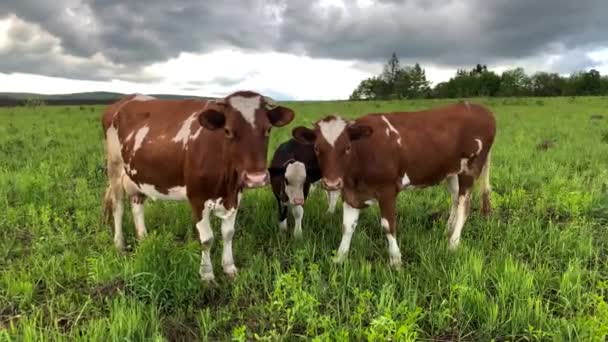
(131, 35)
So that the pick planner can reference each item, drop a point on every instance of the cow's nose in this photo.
(298, 201)
(256, 179)
(333, 184)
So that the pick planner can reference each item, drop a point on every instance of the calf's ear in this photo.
(304, 135)
(280, 116)
(358, 131)
(212, 117)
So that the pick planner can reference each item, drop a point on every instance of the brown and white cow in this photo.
(205, 152)
(376, 156)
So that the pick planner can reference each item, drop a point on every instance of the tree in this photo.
(514, 82)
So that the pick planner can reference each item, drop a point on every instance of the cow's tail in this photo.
(485, 187)
(112, 200)
(108, 205)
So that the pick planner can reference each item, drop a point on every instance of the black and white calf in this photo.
(293, 170)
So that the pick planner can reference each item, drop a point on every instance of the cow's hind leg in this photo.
(452, 185)
(137, 209)
(465, 183)
(486, 188)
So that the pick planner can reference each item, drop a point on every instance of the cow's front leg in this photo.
(228, 221)
(332, 199)
(298, 212)
(206, 236)
(350, 215)
(388, 221)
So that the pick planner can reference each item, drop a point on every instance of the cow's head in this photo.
(332, 138)
(245, 118)
(294, 175)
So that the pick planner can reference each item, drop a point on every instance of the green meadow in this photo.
(536, 270)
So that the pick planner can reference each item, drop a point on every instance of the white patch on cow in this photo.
(393, 251)
(139, 138)
(177, 193)
(196, 134)
(350, 216)
(461, 216)
(467, 104)
(392, 129)
(371, 202)
(129, 136)
(385, 226)
(130, 171)
(142, 97)
(283, 225)
(246, 106)
(295, 174)
(332, 129)
(405, 180)
(113, 143)
(184, 132)
(479, 146)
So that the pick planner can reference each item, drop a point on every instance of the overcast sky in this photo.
(288, 49)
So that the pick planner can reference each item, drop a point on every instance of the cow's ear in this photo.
(212, 117)
(280, 116)
(358, 131)
(304, 135)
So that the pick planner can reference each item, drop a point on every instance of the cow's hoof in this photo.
(297, 234)
(395, 263)
(230, 271)
(208, 279)
(339, 259)
(453, 244)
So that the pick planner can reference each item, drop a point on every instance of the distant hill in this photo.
(85, 98)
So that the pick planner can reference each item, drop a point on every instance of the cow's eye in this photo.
(267, 133)
(316, 150)
(286, 181)
(229, 134)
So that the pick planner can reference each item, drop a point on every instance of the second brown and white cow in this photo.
(378, 155)
(203, 152)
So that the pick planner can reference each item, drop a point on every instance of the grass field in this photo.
(536, 270)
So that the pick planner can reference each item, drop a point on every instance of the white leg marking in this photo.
(461, 217)
(452, 184)
(283, 225)
(332, 199)
(393, 248)
(206, 237)
(137, 209)
(479, 146)
(119, 239)
(227, 234)
(298, 212)
(350, 216)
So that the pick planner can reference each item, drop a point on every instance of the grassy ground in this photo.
(536, 270)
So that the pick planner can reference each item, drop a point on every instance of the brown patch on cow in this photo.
(545, 145)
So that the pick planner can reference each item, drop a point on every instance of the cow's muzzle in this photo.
(255, 179)
(332, 185)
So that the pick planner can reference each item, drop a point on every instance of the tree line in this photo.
(396, 82)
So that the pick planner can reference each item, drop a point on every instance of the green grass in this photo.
(536, 270)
